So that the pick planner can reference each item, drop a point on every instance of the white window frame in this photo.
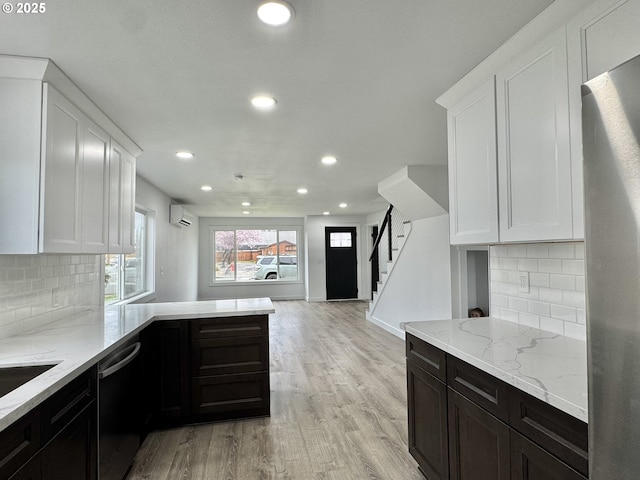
(148, 269)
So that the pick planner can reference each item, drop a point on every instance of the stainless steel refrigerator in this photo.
(611, 135)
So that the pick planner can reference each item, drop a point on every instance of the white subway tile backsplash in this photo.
(539, 308)
(552, 325)
(573, 267)
(574, 330)
(38, 289)
(539, 280)
(528, 265)
(529, 320)
(564, 313)
(550, 265)
(538, 250)
(556, 295)
(519, 304)
(563, 282)
(562, 250)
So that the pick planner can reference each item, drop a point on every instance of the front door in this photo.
(342, 263)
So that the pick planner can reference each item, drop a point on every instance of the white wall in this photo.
(419, 286)
(176, 248)
(279, 290)
(316, 268)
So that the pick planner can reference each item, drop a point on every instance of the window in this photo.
(250, 255)
(340, 239)
(125, 274)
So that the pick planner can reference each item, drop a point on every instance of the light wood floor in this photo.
(338, 409)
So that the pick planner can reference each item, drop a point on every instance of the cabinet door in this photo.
(427, 413)
(609, 35)
(116, 159)
(72, 454)
(534, 157)
(478, 442)
(167, 370)
(60, 205)
(530, 462)
(473, 189)
(128, 192)
(19, 442)
(95, 189)
(31, 471)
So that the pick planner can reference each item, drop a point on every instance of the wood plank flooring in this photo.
(338, 409)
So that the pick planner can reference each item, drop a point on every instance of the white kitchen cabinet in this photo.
(534, 155)
(608, 33)
(473, 190)
(95, 189)
(55, 164)
(121, 200)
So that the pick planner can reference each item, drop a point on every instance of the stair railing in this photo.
(386, 225)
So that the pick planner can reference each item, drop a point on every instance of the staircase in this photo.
(400, 230)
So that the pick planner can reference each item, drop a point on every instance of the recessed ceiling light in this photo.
(246, 212)
(246, 204)
(185, 155)
(275, 13)
(343, 205)
(329, 160)
(326, 213)
(302, 191)
(206, 188)
(263, 102)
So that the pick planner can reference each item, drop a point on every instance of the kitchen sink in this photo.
(13, 377)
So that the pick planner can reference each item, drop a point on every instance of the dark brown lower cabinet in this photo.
(72, 454)
(207, 369)
(56, 440)
(478, 442)
(470, 425)
(530, 462)
(428, 435)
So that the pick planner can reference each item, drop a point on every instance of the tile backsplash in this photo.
(38, 289)
(555, 300)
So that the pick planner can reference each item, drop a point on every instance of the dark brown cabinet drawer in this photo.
(230, 396)
(429, 358)
(19, 442)
(218, 356)
(64, 406)
(480, 387)
(251, 325)
(530, 462)
(558, 432)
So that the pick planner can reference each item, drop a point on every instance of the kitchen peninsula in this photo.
(496, 398)
(207, 333)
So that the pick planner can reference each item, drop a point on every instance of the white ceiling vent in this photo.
(180, 216)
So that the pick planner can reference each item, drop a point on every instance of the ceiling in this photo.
(356, 79)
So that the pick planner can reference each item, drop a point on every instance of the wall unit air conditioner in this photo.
(180, 216)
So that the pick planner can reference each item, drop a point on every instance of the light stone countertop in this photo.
(548, 366)
(81, 341)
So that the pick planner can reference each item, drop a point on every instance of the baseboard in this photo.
(385, 326)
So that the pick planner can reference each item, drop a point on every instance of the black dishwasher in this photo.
(120, 410)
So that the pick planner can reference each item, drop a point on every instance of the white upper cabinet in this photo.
(122, 200)
(473, 190)
(609, 34)
(61, 202)
(55, 165)
(534, 155)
